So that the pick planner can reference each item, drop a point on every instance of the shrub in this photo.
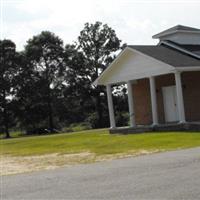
(122, 118)
(92, 120)
(67, 130)
(80, 126)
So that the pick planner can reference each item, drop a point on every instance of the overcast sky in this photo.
(134, 21)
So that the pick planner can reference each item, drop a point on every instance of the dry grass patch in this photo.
(22, 164)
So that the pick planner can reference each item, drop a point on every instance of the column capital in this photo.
(109, 85)
(129, 82)
(178, 72)
(151, 77)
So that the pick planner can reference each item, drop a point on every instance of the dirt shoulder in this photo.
(22, 164)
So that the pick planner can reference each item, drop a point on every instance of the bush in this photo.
(77, 127)
(122, 118)
(40, 131)
(80, 126)
(92, 120)
(67, 130)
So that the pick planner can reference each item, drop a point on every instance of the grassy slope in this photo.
(99, 142)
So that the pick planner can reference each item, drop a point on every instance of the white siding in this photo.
(132, 65)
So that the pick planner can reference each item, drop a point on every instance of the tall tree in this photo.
(45, 55)
(96, 46)
(8, 71)
(30, 107)
(77, 89)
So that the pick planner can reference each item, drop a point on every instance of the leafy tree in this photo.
(95, 50)
(49, 85)
(76, 91)
(30, 107)
(8, 70)
(44, 53)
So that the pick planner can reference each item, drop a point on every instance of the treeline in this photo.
(49, 85)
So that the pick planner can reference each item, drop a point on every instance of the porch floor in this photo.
(188, 126)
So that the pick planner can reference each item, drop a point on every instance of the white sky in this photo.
(134, 21)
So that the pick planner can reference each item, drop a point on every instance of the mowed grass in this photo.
(99, 142)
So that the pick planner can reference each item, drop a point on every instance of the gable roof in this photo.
(168, 55)
(176, 29)
(140, 61)
(136, 62)
(131, 64)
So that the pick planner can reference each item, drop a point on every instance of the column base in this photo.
(181, 122)
(112, 127)
(133, 126)
(154, 124)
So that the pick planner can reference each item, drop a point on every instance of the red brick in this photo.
(191, 94)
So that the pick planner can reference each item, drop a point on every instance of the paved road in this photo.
(170, 175)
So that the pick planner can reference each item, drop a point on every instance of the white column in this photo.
(180, 102)
(110, 106)
(130, 104)
(153, 100)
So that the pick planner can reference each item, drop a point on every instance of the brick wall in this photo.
(191, 93)
(142, 102)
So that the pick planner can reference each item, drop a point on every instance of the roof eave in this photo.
(157, 36)
(96, 82)
(188, 68)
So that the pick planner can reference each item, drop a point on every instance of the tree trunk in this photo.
(51, 123)
(99, 110)
(50, 112)
(5, 118)
(49, 100)
(7, 131)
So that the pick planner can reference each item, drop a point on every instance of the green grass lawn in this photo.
(99, 142)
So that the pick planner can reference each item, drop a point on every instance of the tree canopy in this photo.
(8, 71)
(48, 86)
(95, 50)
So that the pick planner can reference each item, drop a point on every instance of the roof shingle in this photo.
(168, 55)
